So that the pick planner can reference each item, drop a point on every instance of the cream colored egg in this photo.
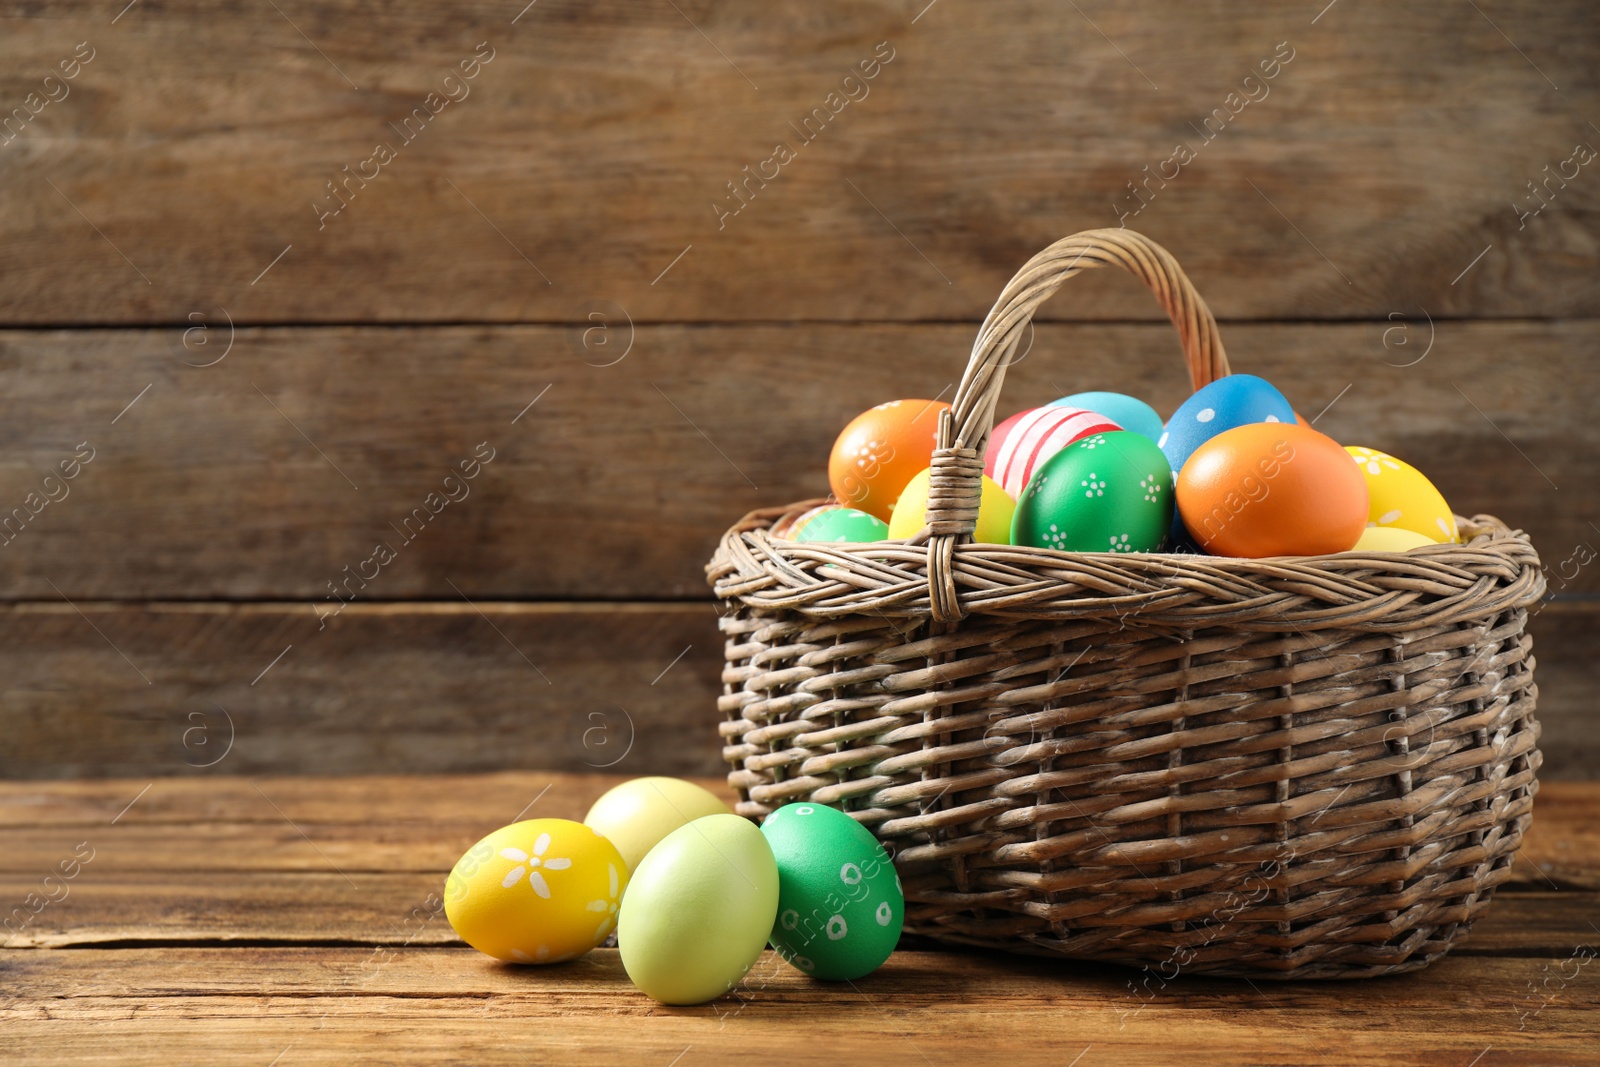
(994, 511)
(636, 815)
(1401, 496)
(538, 891)
(1390, 539)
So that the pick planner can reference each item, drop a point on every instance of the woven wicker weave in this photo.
(1307, 767)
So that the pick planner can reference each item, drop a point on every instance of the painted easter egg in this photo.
(699, 910)
(790, 525)
(880, 450)
(537, 891)
(1109, 492)
(1390, 539)
(994, 511)
(1235, 400)
(1128, 412)
(1272, 489)
(840, 905)
(637, 814)
(1401, 496)
(1020, 444)
(843, 524)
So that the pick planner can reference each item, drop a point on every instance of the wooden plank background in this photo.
(600, 136)
(266, 394)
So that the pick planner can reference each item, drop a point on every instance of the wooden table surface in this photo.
(286, 921)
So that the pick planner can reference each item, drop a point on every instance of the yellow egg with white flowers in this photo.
(537, 891)
(1401, 496)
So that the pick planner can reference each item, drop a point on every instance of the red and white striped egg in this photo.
(1021, 444)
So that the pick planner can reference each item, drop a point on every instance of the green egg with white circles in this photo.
(1108, 492)
(840, 904)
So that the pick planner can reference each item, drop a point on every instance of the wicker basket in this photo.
(1302, 767)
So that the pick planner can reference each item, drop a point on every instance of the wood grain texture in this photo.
(447, 968)
(442, 688)
(1564, 846)
(162, 909)
(589, 153)
(446, 687)
(330, 859)
(446, 1006)
(192, 903)
(263, 825)
(227, 799)
(268, 474)
(200, 950)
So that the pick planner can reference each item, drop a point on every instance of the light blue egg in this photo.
(1227, 403)
(1129, 412)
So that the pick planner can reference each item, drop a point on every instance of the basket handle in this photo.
(956, 482)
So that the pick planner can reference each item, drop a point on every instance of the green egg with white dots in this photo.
(840, 905)
(1108, 492)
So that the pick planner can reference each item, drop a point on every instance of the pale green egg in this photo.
(698, 910)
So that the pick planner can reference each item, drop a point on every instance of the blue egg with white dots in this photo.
(1129, 412)
(1225, 404)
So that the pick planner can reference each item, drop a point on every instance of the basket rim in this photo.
(1495, 569)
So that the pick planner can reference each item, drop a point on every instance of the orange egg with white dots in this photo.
(881, 451)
